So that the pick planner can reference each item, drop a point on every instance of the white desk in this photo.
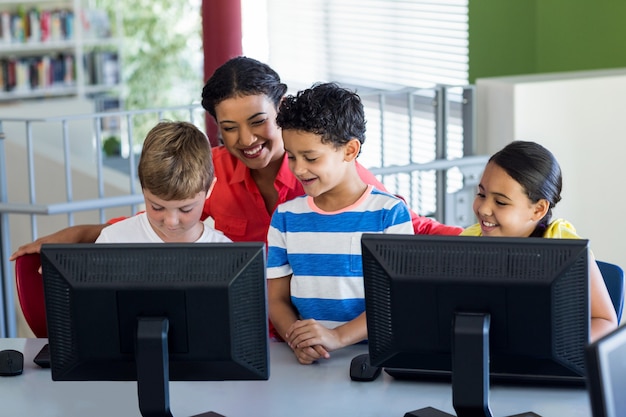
(321, 390)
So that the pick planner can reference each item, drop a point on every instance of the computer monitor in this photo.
(475, 308)
(606, 374)
(155, 312)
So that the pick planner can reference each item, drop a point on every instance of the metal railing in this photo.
(404, 176)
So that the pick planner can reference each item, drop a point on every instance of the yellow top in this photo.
(557, 229)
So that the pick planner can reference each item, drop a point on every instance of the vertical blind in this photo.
(393, 53)
(371, 43)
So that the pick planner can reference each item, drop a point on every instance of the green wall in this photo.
(534, 36)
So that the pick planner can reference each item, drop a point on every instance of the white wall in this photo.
(581, 118)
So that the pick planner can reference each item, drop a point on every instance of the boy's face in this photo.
(320, 167)
(249, 130)
(175, 220)
(503, 208)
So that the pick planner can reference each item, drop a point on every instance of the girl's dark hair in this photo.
(326, 109)
(538, 172)
(241, 76)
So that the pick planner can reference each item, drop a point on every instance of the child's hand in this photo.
(310, 333)
(309, 355)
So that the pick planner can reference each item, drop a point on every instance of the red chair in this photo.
(29, 286)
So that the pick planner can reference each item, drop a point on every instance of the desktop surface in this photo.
(323, 389)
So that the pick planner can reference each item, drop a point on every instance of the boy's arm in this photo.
(307, 333)
(283, 316)
(353, 331)
(280, 309)
(86, 233)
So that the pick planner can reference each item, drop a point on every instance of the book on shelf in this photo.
(5, 26)
(102, 68)
(43, 48)
(33, 25)
(40, 72)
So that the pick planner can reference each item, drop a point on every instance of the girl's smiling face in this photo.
(502, 206)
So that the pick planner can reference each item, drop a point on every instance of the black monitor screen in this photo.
(201, 306)
(479, 308)
(606, 376)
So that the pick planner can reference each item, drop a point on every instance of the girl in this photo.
(518, 189)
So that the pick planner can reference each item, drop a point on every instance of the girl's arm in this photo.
(603, 316)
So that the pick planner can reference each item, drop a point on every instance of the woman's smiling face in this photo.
(249, 130)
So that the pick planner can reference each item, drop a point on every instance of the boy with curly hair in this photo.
(315, 275)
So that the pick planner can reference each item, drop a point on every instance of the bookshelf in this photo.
(57, 48)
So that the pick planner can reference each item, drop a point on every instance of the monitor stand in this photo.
(152, 359)
(470, 370)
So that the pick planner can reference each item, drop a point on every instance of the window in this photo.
(394, 53)
(373, 43)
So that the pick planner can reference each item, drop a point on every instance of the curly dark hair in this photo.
(536, 169)
(241, 76)
(326, 109)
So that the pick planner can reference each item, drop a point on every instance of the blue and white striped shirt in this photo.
(323, 251)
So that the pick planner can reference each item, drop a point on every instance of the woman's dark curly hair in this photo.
(538, 172)
(326, 109)
(241, 76)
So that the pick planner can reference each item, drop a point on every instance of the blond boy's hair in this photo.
(175, 162)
